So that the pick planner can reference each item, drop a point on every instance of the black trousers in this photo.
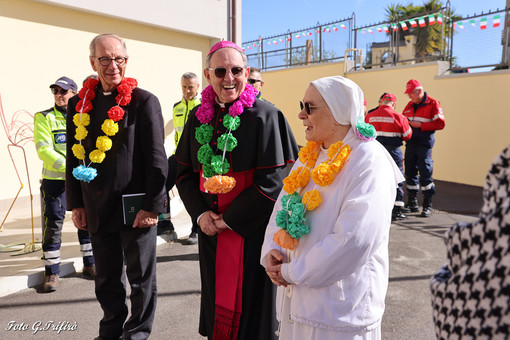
(136, 248)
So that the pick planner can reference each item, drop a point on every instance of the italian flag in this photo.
(461, 25)
(440, 19)
(335, 28)
(386, 29)
(343, 26)
(483, 23)
(379, 29)
(496, 20)
(395, 27)
(370, 30)
(432, 19)
(404, 26)
(413, 23)
(421, 21)
(363, 31)
(472, 22)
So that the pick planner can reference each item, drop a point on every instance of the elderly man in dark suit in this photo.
(116, 164)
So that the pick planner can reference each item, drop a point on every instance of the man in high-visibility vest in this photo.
(50, 143)
(190, 99)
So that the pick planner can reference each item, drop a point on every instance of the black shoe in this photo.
(165, 227)
(412, 203)
(427, 207)
(426, 212)
(411, 208)
(396, 214)
(193, 238)
(405, 210)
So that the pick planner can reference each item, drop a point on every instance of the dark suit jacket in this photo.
(136, 163)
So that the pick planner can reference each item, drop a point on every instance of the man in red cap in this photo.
(232, 159)
(392, 128)
(425, 116)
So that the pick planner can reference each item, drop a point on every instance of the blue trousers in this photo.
(53, 213)
(396, 154)
(418, 160)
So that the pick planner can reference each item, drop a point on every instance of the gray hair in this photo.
(245, 58)
(190, 75)
(418, 88)
(98, 38)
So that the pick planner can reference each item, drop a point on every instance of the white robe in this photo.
(339, 271)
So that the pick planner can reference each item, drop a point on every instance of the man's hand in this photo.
(415, 124)
(274, 268)
(211, 223)
(145, 219)
(79, 218)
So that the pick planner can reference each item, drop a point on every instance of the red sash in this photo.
(229, 266)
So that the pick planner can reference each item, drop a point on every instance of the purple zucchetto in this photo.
(223, 44)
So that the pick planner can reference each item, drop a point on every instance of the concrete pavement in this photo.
(416, 252)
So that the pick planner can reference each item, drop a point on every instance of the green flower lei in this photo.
(211, 164)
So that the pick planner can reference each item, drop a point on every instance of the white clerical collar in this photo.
(107, 93)
(222, 105)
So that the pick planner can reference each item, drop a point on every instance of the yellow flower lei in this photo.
(110, 126)
(292, 226)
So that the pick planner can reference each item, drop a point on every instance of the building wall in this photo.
(183, 16)
(41, 42)
(477, 120)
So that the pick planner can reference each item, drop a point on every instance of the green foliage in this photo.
(429, 39)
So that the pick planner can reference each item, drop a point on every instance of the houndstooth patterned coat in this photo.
(471, 293)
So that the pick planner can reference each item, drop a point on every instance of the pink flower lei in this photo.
(205, 112)
(215, 166)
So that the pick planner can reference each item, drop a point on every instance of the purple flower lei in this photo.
(205, 112)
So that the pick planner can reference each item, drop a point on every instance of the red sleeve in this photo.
(436, 114)
(406, 130)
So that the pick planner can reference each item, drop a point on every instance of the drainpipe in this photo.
(229, 25)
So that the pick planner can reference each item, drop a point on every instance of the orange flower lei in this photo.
(291, 218)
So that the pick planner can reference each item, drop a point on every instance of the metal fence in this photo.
(478, 42)
(322, 43)
(389, 43)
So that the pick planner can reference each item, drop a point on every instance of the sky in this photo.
(272, 17)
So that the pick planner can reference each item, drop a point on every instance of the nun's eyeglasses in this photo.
(308, 108)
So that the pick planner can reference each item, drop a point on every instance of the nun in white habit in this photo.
(326, 246)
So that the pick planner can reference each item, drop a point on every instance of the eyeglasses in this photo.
(253, 81)
(54, 90)
(105, 61)
(221, 72)
(308, 108)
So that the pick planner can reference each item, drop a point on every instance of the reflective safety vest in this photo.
(181, 114)
(50, 142)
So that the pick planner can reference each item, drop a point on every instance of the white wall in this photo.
(192, 17)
